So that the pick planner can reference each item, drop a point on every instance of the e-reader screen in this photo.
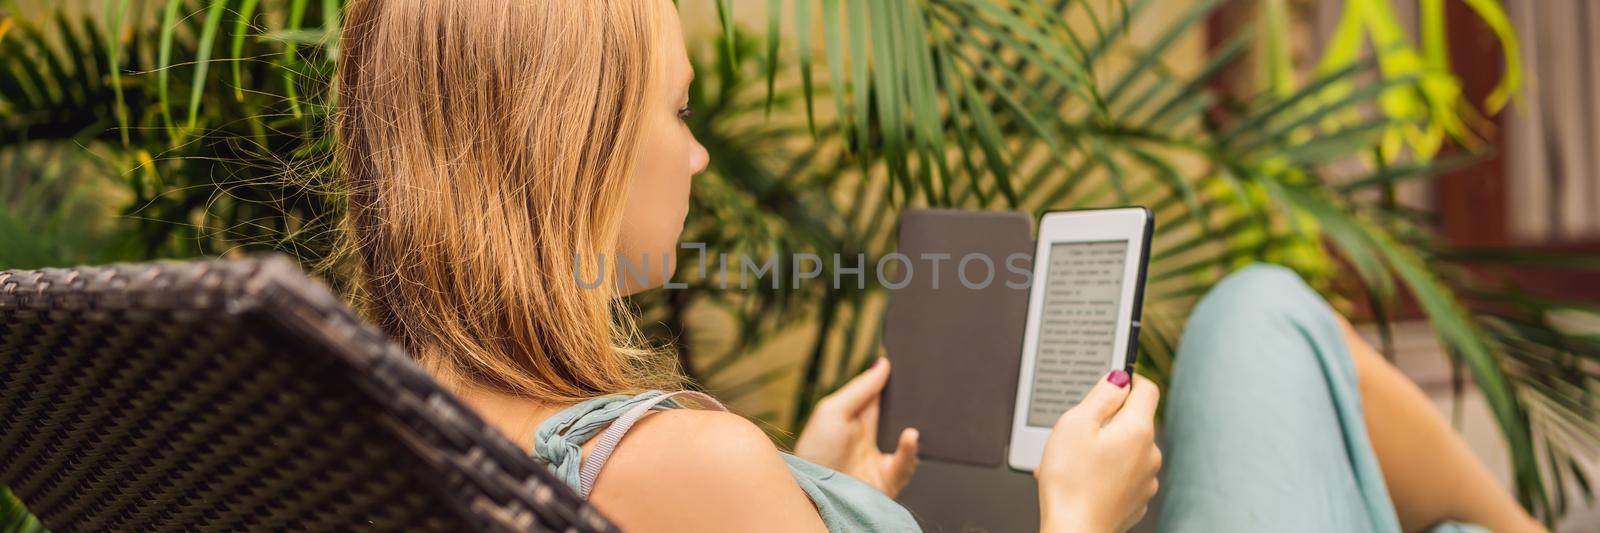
(1078, 324)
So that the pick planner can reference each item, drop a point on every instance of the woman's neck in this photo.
(515, 416)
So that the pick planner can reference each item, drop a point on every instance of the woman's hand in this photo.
(1100, 463)
(843, 435)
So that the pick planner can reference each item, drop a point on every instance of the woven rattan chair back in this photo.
(240, 395)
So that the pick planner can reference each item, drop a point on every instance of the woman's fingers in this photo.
(1140, 407)
(1101, 461)
(1102, 401)
(859, 392)
(1143, 400)
(1137, 517)
(903, 462)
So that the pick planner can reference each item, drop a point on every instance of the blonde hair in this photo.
(486, 146)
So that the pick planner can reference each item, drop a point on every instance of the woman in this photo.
(488, 144)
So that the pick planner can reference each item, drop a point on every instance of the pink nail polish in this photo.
(1118, 378)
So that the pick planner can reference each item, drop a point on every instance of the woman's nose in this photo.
(699, 158)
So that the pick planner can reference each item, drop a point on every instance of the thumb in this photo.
(1104, 400)
(904, 460)
(861, 391)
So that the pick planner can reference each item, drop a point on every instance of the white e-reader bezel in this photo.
(1133, 224)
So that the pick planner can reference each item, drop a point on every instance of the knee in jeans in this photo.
(1257, 306)
(1262, 288)
(1256, 299)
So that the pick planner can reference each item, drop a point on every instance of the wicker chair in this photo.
(229, 395)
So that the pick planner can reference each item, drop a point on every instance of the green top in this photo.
(845, 503)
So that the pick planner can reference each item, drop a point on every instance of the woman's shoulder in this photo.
(700, 442)
(700, 470)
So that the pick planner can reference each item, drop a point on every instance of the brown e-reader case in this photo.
(957, 352)
(954, 333)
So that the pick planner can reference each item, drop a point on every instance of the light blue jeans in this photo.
(1264, 427)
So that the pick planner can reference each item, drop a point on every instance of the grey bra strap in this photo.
(607, 442)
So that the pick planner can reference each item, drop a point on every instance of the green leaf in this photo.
(241, 29)
(1259, 118)
(202, 67)
(886, 56)
(1193, 88)
(1162, 44)
(833, 45)
(1278, 65)
(989, 139)
(774, 16)
(1453, 323)
(861, 82)
(330, 23)
(802, 37)
(169, 27)
(1493, 14)
(725, 16)
(1350, 237)
(291, 57)
(85, 77)
(922, 90)
(1395, 174)
(1281, 134)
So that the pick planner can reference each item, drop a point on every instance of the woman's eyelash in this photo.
(684, 113)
